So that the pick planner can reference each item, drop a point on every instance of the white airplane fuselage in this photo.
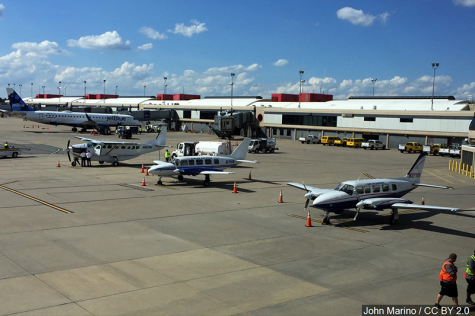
(111, 152)
(77, 118)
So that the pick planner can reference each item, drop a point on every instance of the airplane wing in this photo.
(246, 161)
(424, 207)
(85, 139)
(217, 172)
(432, 186)
(308, 188)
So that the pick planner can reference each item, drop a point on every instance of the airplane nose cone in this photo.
(309, 196)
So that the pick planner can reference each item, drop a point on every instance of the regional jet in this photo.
(113, 152)
(200, 165)
(74, 119)
(374, 194)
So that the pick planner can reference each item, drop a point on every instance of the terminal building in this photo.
(393, 120)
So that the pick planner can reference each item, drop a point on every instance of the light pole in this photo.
(65, 94)
(85, 89)
(144, 86)
(373, 81)
(43, 89)
(116, 89)
(300, 83)
(31, 90)
(104, 90)
(434, 66)
(232, 89)
(20, 85)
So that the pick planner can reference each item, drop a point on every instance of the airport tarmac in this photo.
(93, 241)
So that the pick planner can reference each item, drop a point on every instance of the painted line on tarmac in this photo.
(335, 221)
(404, 212)
(439, 177)
(37, 200)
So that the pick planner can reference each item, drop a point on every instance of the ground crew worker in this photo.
(140, 130)
(167, 156)
(83, 159)
(6, 145)
(470, 278)
(88, 158)
(448, 280)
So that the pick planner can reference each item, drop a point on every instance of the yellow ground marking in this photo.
(335, 221)
(438, 177)
(37, 200)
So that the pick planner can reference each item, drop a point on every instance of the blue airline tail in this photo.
(16, 103)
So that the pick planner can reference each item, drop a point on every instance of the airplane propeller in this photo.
(67, 148)
(358, 205)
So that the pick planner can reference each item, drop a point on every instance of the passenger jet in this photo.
(374, 194)
(74, 119)
(200, 165)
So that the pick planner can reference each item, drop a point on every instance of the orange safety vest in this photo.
(445, 276)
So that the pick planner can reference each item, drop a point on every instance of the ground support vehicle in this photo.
(455, 151)
(354, 142)
(330, 140)
(262, 145)
(202, 148)
(341, 142)
(410, 147)
(309, 139)
(10, 152)
(433, 149)
(125, 134)
(373, 144)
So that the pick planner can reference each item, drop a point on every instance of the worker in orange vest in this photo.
(448, 280)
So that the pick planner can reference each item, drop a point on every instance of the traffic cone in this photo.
(143, 182)
(38, 126)
(142, 170)
(281, 200)
(309, 220)
(98, 133)
(423, 202)
(58, 165)
(250, 175)
(146, 171)
(235, 188)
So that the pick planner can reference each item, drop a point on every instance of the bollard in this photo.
(450, 164)
(466, 170)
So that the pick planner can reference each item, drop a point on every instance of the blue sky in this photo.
(340, 46)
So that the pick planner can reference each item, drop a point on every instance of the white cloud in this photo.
(195, 28)
(43, 48)
(108, 40)
(236, 68)
(281, 62)
(145, 46)
(2, 7)
(358, 17)
(465, 3)
(151, 33)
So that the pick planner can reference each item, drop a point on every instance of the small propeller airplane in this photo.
(113, 152)
(374, 194)
(74, 119)
(200, 165)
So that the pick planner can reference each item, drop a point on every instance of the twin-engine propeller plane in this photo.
(200, 165)
(113, 152)
(73, 119)
(374, 194)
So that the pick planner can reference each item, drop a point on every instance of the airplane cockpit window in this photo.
(98, 147)
(359, 190)
(394, 187)
(347, 188)
(338, 187)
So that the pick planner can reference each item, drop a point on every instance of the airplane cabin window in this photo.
(128, 147)
(199, 162)
(359, 190)
(183, 162)
(367, 189)
(208, 162)
(376, 188)
(385, 187)
(394, 187)
(191, 162)
(123, 147)
(216, 161)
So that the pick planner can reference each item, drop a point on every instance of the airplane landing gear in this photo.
(83, 130)
(180, 177)
(73, 163)
(74, 129)
(394, 217)
(326, 220)
(207, 180)
(159, 182)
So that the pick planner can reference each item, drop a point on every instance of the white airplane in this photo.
(374, 194)
(74, 119)
(113, 152)
(200, 165)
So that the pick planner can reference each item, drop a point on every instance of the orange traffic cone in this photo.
(146, 171)
(142, 170)
(98, 133)
(281, 200)
(58, 165)
(423, 202)
(309, 220)
(235, 188)
(143, 182)
(250, 175)
(38, 126)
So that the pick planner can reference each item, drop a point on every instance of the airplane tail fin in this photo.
(161, 138)
(240, 152)
(414, 174)
(16, 103)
